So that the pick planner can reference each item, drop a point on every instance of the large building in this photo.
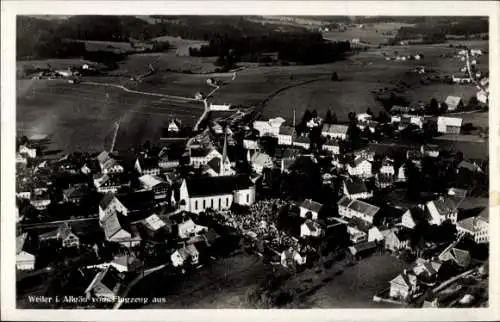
(449, 125)
(201, 193)
(335, 131)
(356, 208)
(270, 127)
(476, 227)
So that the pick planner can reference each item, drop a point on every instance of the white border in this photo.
(387, 8)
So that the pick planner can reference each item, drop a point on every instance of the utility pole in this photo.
(117, 126)
(294, 117)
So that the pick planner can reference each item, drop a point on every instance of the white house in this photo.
(310, 206)
(108, 164)
(21, 159)
(377, 235)
(216, 193)
(259, 161)
(335, 131)
(302, 141)
(219, 107)
(361, 167)
(482, 96)
(30, 152)
(356, 208)
(332, 146)
(147, 165)
(40, 201)
(444, 208)
(250, 144)
(126, 263)
(105, 285)
(310, 228)
(199, 156)
(401, 176)
(430, 150)
(286, 135)
(449, 124)
(270, 127)
(355, 188)
(105, 183)
(185, 254)
(363, 117)
(189, 228)
(109, 205)
(118, 230)
(454, 102)
(156, 184)
(476, 227)
(403, 286)
(356, 235)
(387, 167)
(25, 261)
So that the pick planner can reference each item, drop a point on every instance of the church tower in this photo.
(225, 165)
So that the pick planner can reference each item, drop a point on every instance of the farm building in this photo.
(355, 188)
(444, 208)
(219, 107)
(461, 80)
(454, 103)
(397, 239)
(403, 286)
(271, 127)
(449, 125)
(310, 228)
(430, 150)
(335, 131)
(156, 184)
(147, 165)
(64, 234)
(302, 141)
(286, 135)
(108, 164)
(117, 229)
(333, 146)
(360, 167)
(387, 167)
(476, 227)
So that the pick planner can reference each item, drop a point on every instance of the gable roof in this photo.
(360, 206)
(286, 130)
(453, 101)
(355, 186)
(467, 224)
(358, 160)
(260, 158)
(335, 128)
(106, 200)
(302, 139)
(147, 163)
(406, 280)
(150, 181)
(212, 186)
(108, 277)
(103, 157)
(446, 204)
(126, 260)
(485, 214)
(312, 205)
(20, 240)
(153, 222)
(113, 224)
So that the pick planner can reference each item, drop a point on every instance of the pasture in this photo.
(375, 34)
(181, 45)
(81, 117)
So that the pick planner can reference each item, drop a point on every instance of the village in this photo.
(302, 196)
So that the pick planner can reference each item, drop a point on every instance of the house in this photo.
(468, 166)
(356, 208)
(355, 188)
(413, 216)
(217, 193)
(430, 150)
(457, 256)
(335, 131)
(454, 103)
(105, 183)
(21, 159)
(155, 184)
(360, 249)
(25, 261)
(126, 204)
(360, 167)
(387, 167)
(250, 144)
(269, 128)
(292, 257)
(377, 235)
(117, 229)
(401, 177)
(482, 96)
(363, 117)
(108, 164)
(26, 150)
(403, 286)
(427, 270)
(397, 240)
(476, 227)
(457, 192)
(188, 228)
(201, 156)
(302, 141)
(106, 284)
(147, 165)
(287, 164)
(356, 235)
(367, 154)
(153, 224)
(186, 254)
(461, 80)
(64, 234)
(173, 126)
(312, 207)
(398, 109)
(166, 159)
(75, 193)
(259, 161)
(40, 201)
(286, 135)
(126, 263)
(332, 146)
(449, 125)
(310, 228)
(442, 209)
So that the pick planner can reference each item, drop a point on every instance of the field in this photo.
(81, 117)
(227, 283)
(371, 33)
(181, 45)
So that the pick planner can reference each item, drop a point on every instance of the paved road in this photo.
(55, 223)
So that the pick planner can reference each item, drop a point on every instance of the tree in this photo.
(314, 114)
(369, 111)
(434, 107)
(444, 108)
(328, 117)
(335, 77)
(306, 117)
(334, 118)
(383, 117)
(473, 102)
(352, 117)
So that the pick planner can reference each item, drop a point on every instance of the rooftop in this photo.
(286, 130)
(359, 206)
(355, 186)
(312, 205)
(335, 128)
(212, 186)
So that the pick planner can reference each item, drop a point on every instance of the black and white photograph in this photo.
(251, 161)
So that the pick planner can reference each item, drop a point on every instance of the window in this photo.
(196, 205)
(204, 204)
(227, 202)
(220, 202)
(212, 203)
(248, 198)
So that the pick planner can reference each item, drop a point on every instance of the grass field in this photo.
(371, 33)
(81, 117)
(181, 45)
(227, 282)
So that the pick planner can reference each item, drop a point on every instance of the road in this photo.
(55, 224)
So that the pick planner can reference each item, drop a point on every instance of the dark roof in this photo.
(214, 164)
(199, 152)
(106, 200)
(211, 186)
(110, 278)
(355, 186)
(312, 205)
(302, 139)
(148, 163)
(403, 234)
(136, 200)
(286, 130)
